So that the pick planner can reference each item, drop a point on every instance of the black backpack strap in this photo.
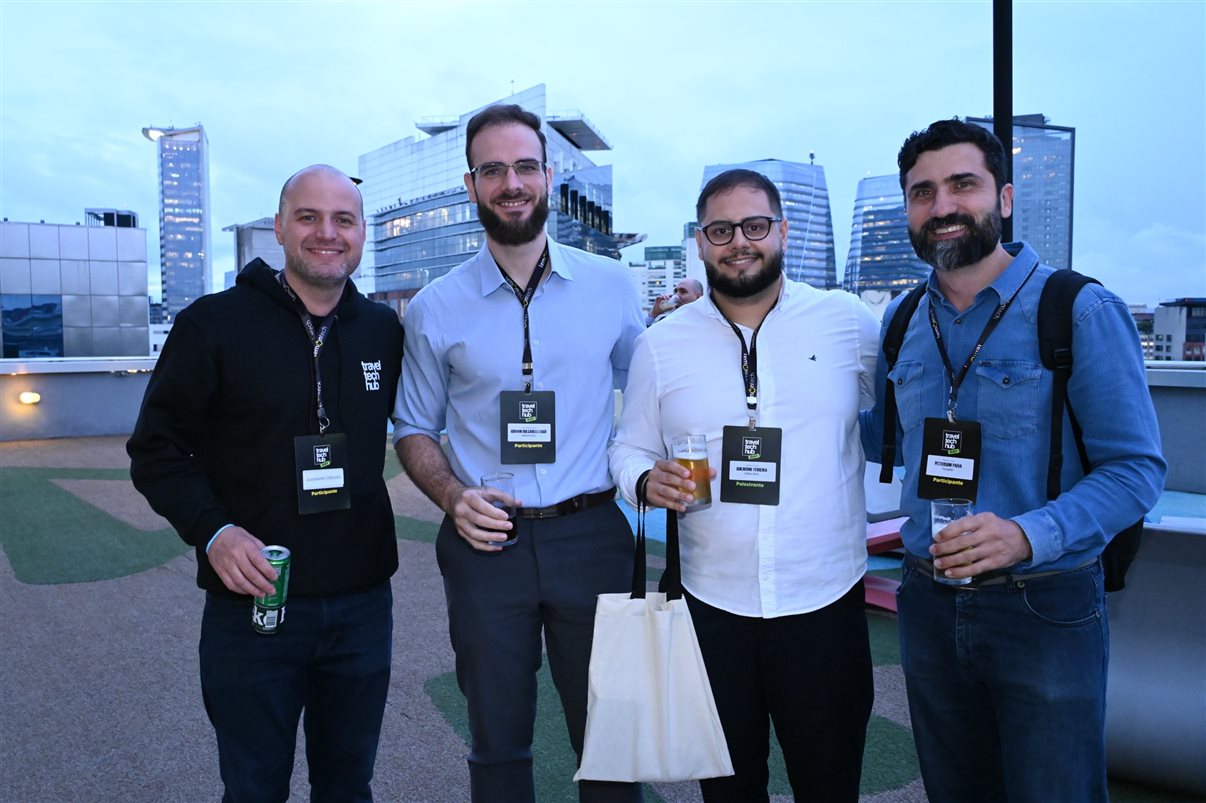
(1055, 348)
(893, 339)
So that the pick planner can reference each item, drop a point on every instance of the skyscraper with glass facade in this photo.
(1044, 158)
(809, 256)
(183, 215)
(422, 223)
(881, 256)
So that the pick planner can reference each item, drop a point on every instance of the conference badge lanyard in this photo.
(527, 418)
(750, 455)
(319, 460)
(950, 448)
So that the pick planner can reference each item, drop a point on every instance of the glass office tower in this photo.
(881, 256)
(183, 215)
(809, 256)
(1044, 158)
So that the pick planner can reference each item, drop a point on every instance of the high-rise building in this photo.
(256, 239)
(183, 215)
(881, 258)
(1044, 158)
(662, 269)
(422, 223)
(72, 290)
(809, 256)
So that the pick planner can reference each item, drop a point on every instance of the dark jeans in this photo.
(498, 604)
(330, 660)
(810, 673)
(1006, 686)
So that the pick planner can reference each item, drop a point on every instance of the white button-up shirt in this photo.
(816, 364)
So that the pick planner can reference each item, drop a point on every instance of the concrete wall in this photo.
(80, 398)
(1179, 395)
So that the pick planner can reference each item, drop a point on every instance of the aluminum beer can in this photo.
(268, 613)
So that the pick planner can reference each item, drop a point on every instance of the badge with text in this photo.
(750, 465)
(950, 459)
(320, 461)
(528, 424)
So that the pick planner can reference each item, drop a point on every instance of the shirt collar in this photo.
(1005, 285)
(490, 277)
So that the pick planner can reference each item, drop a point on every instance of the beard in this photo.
(978, 241)
(749, 284)
(506, 232)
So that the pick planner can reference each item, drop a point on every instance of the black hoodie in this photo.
(232, 388)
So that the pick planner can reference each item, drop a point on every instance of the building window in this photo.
(32, 324)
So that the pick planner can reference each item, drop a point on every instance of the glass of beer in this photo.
(691, 451)
(942, 513)
(500, 484)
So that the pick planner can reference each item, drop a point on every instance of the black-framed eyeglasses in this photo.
(720, 232)
(496, 171)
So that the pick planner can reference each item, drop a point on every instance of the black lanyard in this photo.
(957, 381)
(525, 298)
(749, 364)
(318, 340)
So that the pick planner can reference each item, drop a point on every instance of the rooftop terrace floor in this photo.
(99, 619)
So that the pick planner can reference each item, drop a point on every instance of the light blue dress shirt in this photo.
(464, 346)
(1009, 392)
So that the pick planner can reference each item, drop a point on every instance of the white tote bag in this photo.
(650, 711)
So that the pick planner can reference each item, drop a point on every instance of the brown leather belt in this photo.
(568, 507)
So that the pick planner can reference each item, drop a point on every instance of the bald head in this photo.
(688, 290)
(325, 170)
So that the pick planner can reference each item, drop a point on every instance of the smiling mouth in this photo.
(741, 260)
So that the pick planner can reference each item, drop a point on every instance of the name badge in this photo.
(750, 460)
(950, 459)
(528, 423)
(319, 466)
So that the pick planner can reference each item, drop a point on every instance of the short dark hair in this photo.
(503, 114)
(739, 177)
(943, 133)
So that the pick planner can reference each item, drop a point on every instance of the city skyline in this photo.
(844, 81)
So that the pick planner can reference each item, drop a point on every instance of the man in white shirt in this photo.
(772, 372)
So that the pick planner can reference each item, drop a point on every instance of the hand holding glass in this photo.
(942, 513)
(502, 483)
(691, 452)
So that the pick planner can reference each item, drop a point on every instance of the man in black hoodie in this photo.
(253, 386)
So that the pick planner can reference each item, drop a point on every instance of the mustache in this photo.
(953, 219)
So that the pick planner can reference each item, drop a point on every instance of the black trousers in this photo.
(811, 675)
(498, 605)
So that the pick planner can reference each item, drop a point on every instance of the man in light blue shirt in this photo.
(1006, 675)
(516, 353)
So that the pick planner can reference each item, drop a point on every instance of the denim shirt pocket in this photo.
(906, 377)
(1008, 403)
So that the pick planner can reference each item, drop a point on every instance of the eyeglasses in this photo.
(754, 228)
(497, 171)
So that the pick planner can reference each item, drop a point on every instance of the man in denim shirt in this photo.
(1006, 676)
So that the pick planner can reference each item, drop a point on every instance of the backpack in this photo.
(1055, 347)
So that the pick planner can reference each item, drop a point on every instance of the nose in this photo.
(944, 204)
(511, 178)
(326, 229)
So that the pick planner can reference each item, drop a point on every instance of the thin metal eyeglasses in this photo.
(720, 232)
(496, 171)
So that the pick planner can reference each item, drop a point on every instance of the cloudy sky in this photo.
(672, 85)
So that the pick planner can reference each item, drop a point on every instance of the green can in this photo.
(268, 613)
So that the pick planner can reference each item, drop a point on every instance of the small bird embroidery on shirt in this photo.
(813, 358)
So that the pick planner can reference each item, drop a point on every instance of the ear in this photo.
(469, 186)
(1007, 201)
(783, 228)
(699, 241)
(276, 227)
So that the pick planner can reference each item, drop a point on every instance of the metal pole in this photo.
(1002, 90)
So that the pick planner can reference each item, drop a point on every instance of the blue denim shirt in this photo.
(1008, 391)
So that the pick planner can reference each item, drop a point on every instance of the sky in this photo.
(673, 86)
